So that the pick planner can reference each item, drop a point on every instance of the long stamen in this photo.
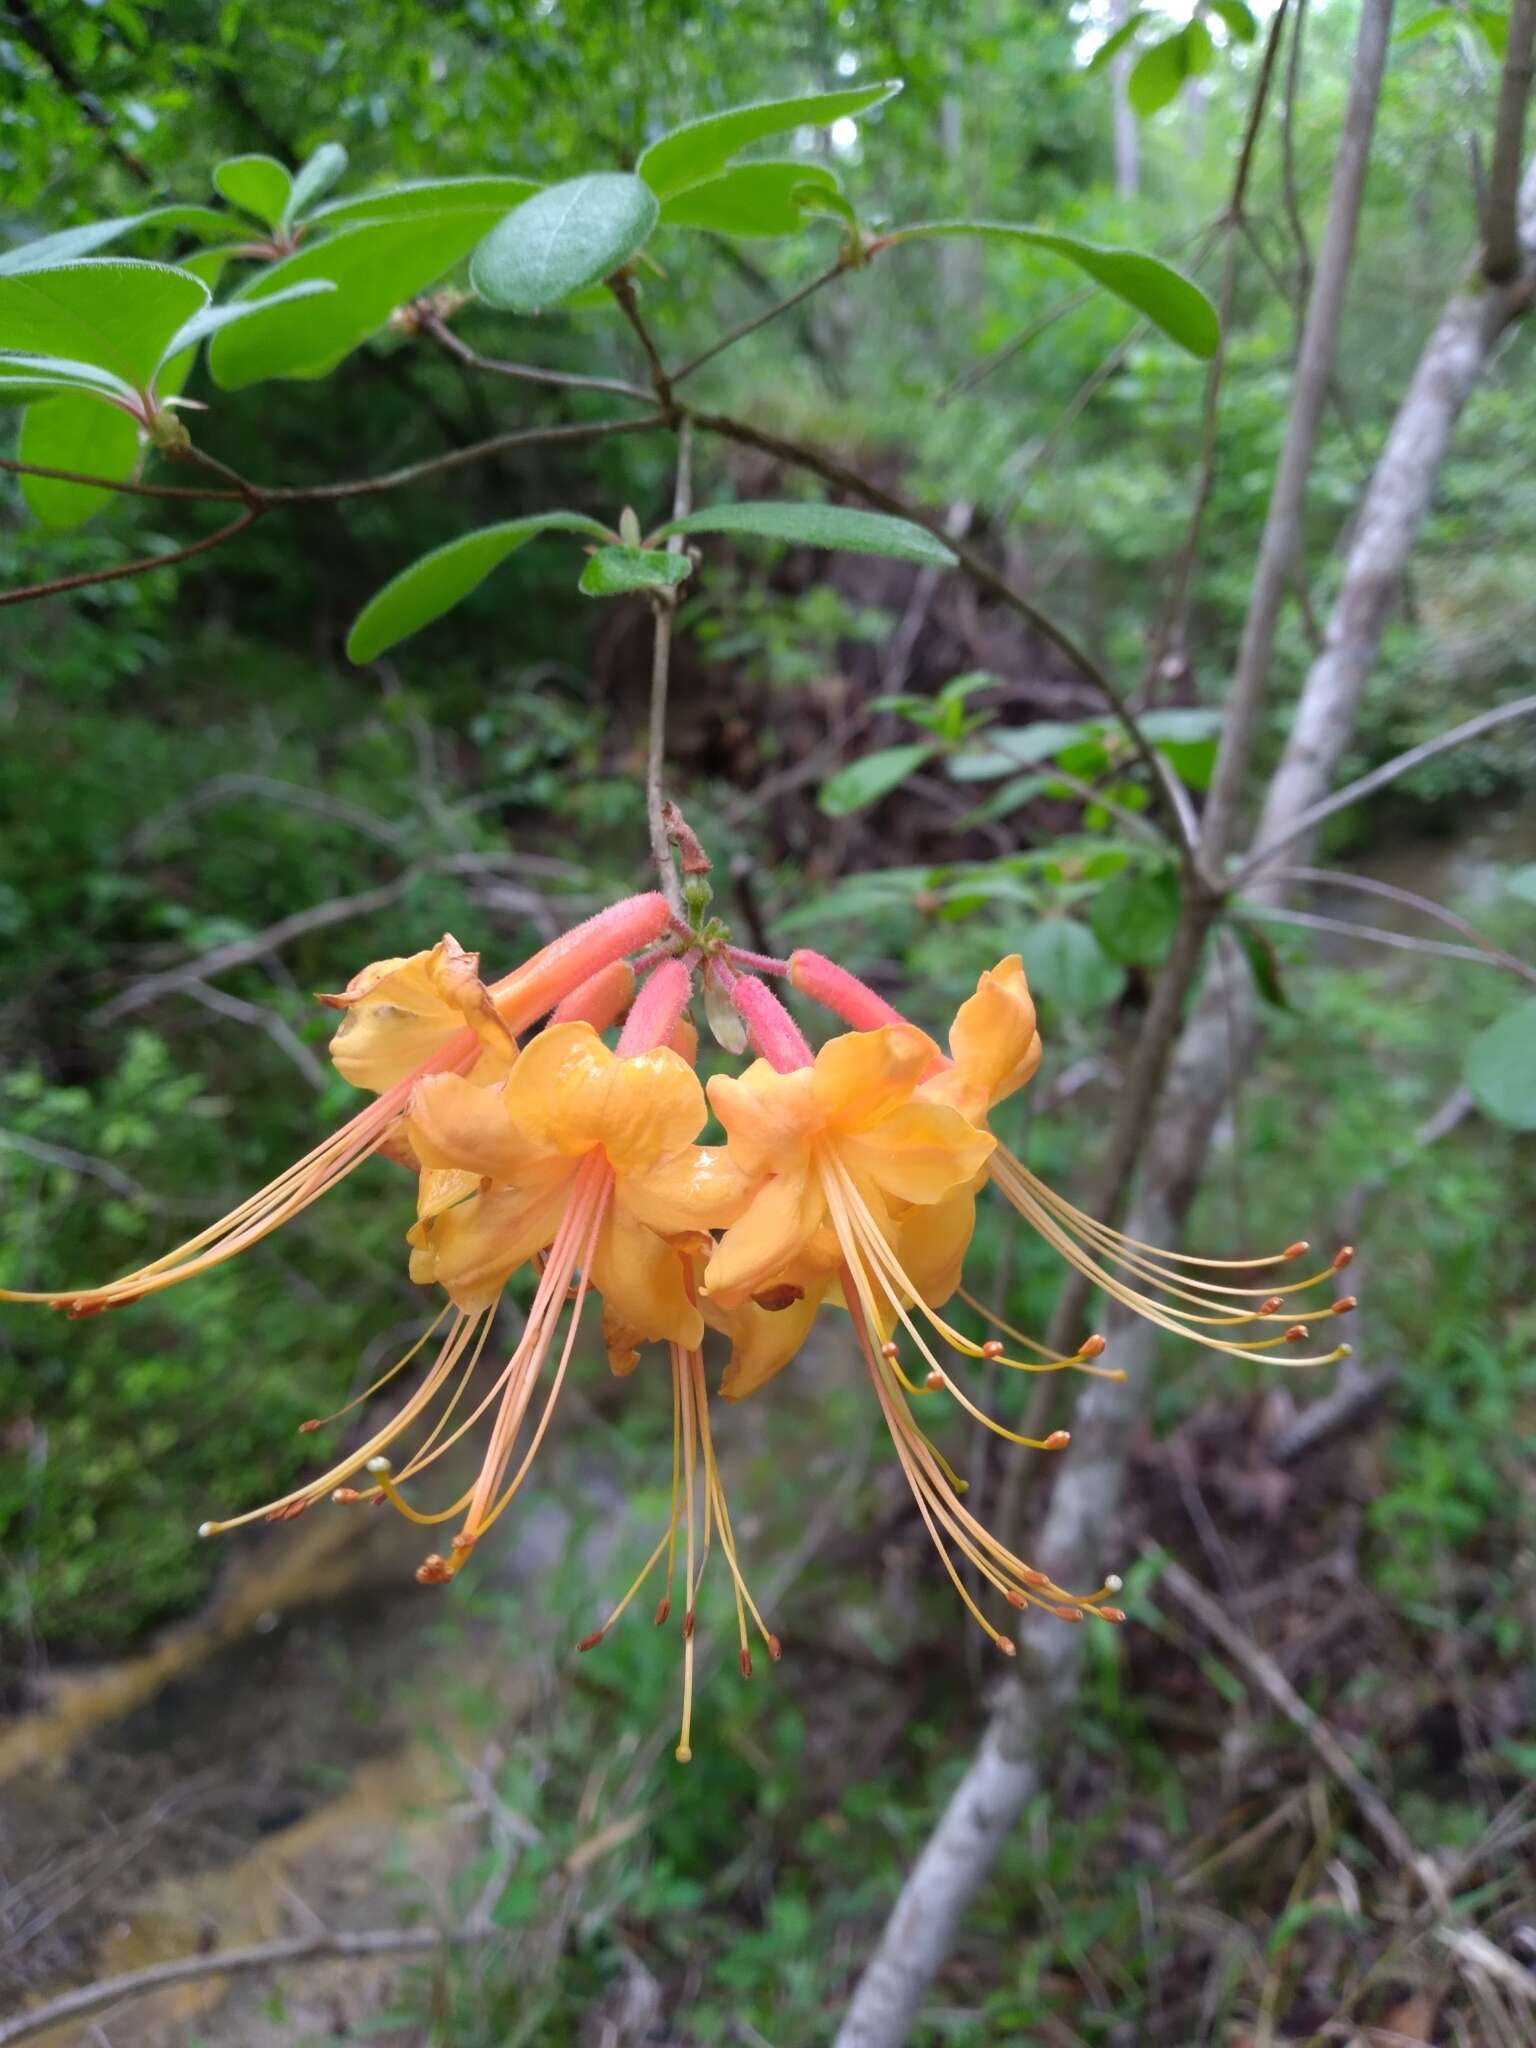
(1042, 1218)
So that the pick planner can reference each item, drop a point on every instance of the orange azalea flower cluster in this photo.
(848, 1178)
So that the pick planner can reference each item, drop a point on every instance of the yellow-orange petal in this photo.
(918, 1153)
(640, 1278)
(862, 1076)
(769, 1117)
(772, 1235)
(549, 1092)
(453, 1124)
(932, 1244)
(474, 1248)
(699, 1188)
(994, 1040)
(763, 1341)
(401, 1011)
(646, 1107)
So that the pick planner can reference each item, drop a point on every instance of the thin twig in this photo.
(260, 1955)
(128, 487)
(1288, 156)
(664, 604)
(804, 456)
(457, 458)
(623, 288)
(525, 373)
(1367, 885)
(141, 567)
(759, 320)
(1376, 935)
(1367, 785)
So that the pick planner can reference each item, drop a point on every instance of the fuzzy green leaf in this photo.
(77, 432)
(438, 581)
(112, 311)
(25, 377)
(212, 319)
(820, 526)
(568, 236)
(1158, 75)
(1068, 967)
(493, 195)
(258, 185)
(615, 572)
(374, 265)
(1133, 916)
(699, 149)
(1163, 294)
(317, 174)
(1237, 19)
(72, 243)
(1500, 1068)
(755, 199)
(863, 783)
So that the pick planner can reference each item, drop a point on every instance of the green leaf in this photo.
(72, 243)
(1493, 27)
(1521, 882)
(1199, 50)
(1237, 19)
(438, 581)
(492, 195)
(863, 783)
(1158, 75)
(1009, 748)
(374, 265)
(614, 572)
(754, 199)
(74, 432)
(820, 526)
(699, 149)
(1426, 24)
(570, 235)
(1021, 790)
(1133, 916)
(315, 175)
(1067, 966)
(1500, 1068)
(25, 377)
(1153, 287)
(212, 319)
(1187, 741)
(111, 311)
(1112, 45)
(1263, 962)
(258, 185)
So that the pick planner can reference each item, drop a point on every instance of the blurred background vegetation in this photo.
(188, 760)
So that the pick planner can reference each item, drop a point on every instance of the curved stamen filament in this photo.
(1019, 1192)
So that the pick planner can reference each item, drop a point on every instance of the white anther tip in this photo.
(1114, 1583)
(380, 1464)
(206, 1529)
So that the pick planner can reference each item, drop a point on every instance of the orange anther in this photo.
(344, 1496)
(775, 1648)
(1092, 1347)
(1068, 1613)
(591, 1642)
(745, 1661)
(1296, 1334)
(1344, 1304)
(308, 1428)
(1294, 1251)
(1110, 1613)
(1342, 1257)
(465, 1540)
(890, 1351)
(1269, 1306)
(1016, 1598)
(434, 1571)
(1058, 1440)
(663, 1608)
(935, 1381)
(1007, 1645)
(1033, 1578)
(688, 1625)
(993, 1348)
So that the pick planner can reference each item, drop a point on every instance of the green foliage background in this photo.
(188, 759)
